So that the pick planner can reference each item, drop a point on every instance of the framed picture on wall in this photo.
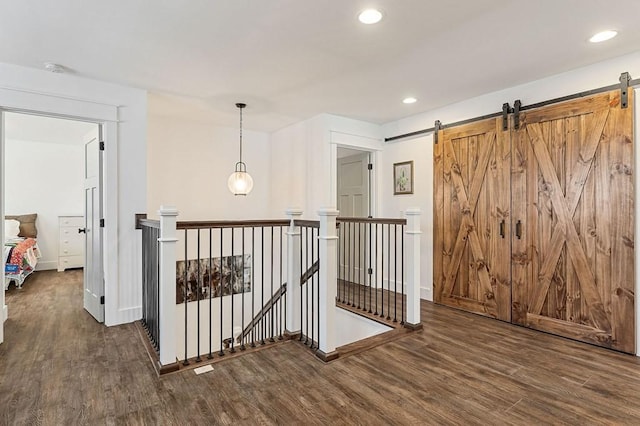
(403, 178)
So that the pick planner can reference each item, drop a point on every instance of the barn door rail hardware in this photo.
(623, 86)
(625, 83)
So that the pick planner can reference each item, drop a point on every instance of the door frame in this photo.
(360, 143)
(106, 115)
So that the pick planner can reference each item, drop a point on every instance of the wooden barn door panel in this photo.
(471, 209)
(573, 236)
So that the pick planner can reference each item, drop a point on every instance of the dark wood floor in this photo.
(58, 366)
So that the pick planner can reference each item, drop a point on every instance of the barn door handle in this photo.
(519, 229)
(502, 228)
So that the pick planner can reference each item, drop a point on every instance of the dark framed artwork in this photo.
(206, 277)
(403, 178)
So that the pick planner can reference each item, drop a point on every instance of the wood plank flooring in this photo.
(58, 366)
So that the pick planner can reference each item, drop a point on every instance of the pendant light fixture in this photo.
(240, 182)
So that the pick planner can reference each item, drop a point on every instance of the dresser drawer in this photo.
(65, 262)
(70, 246)
(72, 221)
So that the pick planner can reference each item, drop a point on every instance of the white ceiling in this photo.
(292, 59)
(34, 128)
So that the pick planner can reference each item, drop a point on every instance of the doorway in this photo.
(353, 183)
(53, 173)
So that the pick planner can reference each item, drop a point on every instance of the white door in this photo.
(353, 185)
(353, 201)
(93, 281)
(3, 307)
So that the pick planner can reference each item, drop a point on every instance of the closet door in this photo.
(471, 241)
(573, 221)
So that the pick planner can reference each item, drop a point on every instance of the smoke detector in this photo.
(50, 66)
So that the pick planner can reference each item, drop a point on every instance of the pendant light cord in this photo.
(240, 135)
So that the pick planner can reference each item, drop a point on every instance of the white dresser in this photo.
(71, 242)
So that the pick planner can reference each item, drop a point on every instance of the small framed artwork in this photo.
(403, 178)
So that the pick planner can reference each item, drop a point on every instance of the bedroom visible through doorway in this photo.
(52, 178)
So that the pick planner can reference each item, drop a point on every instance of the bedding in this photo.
(27, 224)
(20, 249)
(20, 258)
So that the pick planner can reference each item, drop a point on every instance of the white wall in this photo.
(123, 111)
(44, 178)
(420, 149)
(304, 157)
(190, 160)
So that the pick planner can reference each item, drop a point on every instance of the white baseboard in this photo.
(47, 265)
(426, 294)
(124, 316)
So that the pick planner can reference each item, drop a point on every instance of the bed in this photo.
(20, 249)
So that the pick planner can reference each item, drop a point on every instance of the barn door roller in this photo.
(505, 116)
(436, 128)
(625, 79)
(516, 114)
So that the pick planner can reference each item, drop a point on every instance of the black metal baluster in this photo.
(242, 346)
(370, 269)
(280, 290)
(402, 272)
(221, 288)
(232, 285)
(253, 286)
(145, 277)
(306, 285)
(312, 280)
(340, 264)
(318, 286)
(210, 356)
(382, 270)
(186, 285)
(301, 292)
(271, 309)
(358, 265)
(388, 272)
(395, 272)
(198, 359)
(157, 286)
(262, 321)
(347, 263)
(352, 248)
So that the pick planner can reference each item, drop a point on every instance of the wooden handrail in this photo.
(149, 223)
(313, 269)
(206, 224)
(307, 223)
(372, 220)
(263, 312)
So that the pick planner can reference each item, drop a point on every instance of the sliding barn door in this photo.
(573, 221)
(472, 224)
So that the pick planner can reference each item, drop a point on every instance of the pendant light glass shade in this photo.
(240, 182)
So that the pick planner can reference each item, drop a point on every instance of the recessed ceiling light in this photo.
(370, 16)
(51, 67)
(409, 100)
(603, 36)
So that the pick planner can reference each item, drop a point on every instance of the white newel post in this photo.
(412, 244)
(293, 273)
(167, 278)
(328, 282)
